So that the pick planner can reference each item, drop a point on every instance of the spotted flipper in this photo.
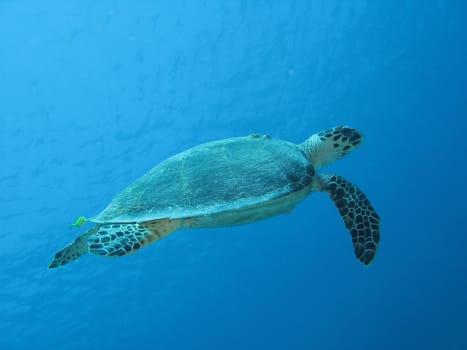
(120, 239)
(74, 250)
(359, 216)
(330, 145)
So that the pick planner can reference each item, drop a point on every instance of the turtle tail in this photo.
(74, 250)
(359, 216)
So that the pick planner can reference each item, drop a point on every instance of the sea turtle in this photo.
(230, 182)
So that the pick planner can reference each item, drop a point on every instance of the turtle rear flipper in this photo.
(74, 250)
(115, 239)
(359, 216)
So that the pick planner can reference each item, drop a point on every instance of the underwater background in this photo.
(95, 93)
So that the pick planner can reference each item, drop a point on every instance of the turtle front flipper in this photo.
(115, 239)
(74, 250)
(359, 216)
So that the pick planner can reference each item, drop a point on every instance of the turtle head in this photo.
(330, 145)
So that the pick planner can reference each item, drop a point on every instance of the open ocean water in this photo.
(95, 93)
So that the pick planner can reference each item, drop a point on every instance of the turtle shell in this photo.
(211, 178)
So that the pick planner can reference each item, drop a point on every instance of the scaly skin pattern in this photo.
(359, 216)
(121, 239)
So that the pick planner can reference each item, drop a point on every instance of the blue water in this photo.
(95, 93)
